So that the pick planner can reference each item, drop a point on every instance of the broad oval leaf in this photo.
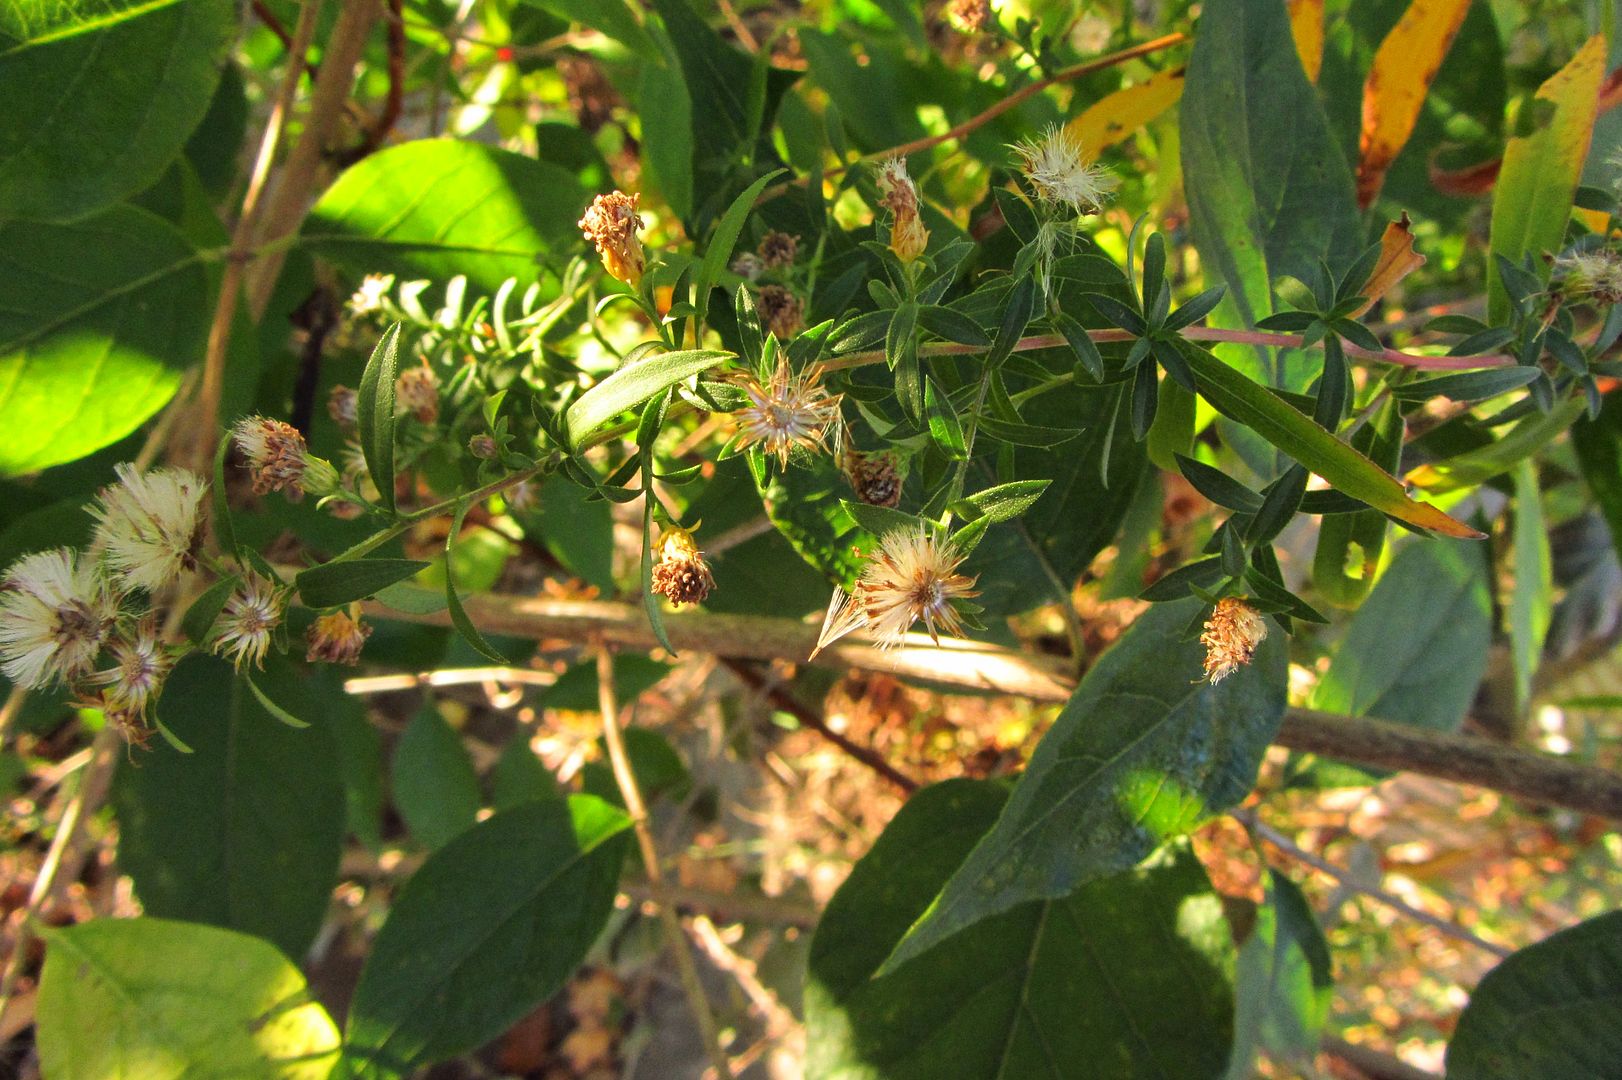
(1145, 749)
(490, 926)
(245, 832)
(1551, 1009)
(334, 583)
(1284, 981)
(632, 385)
(1037, 991)
(436, 789)
(436, 208)
(100, 97)
(165, 1000)
(101, 319)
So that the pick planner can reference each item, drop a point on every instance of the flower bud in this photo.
(611, 223)
(681, 575)
(908, 237)
(482, 447)
(320, 478)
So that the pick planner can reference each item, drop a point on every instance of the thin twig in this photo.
(780, 1023)
(387, 684)
(1453, 930)
(1371, 1062)
(637, 810)
(395, 101)
(1013, 100)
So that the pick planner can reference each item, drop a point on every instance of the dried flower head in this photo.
(140, 664)
(275, 452)
(1091, 34)
(898, 194)
(777, 249)
(1595, 273)
(523, 496)
(251, 614)
(482, 446)
(56, 609)
(680, 573)
(1231, 635)
(913, 576)
(416, 391)
(873, 477)
(789, 412)
(1055, 169)
(341, 406)
(150, 524)
(336, 638)
(969, 16)
(372, 294)
(781, 311)
(611, 223)
(747, 266)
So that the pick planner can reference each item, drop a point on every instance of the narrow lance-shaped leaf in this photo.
(335, 583)
(459, 617)
(374, 413)
(1236, 396)
(632, 385)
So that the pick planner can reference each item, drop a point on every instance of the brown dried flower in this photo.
(681, 575)
(781, 311)
(873, 477)
(611, 223)
(275, 453)
(335, 638)
(341, 406)
(969, 16)
(898, 194)
(786, 413)
(913, 576)
(417, 392)
(777, 249)
(1231, 635)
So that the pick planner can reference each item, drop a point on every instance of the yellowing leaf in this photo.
(1307, 28)
(1401, 76)
(1110, 119)
(1398, 259)
(1542, 164)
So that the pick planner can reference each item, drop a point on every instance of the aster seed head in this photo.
(251, 614)
(781, 311)
(416, 391)
(788, 412)
(56, 611)
(611, 223)
(912, 577)
(140, 665)
(1054, 166)
(680, 573)
(150, 525)
(1596, 273)
(777, 249)
(275, 454)
(899, 195)
(1230, 637)
(874, 477)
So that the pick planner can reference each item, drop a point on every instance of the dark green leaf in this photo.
(1016, 316)
(1006, 501)
(1279, 503)
(952, 325)
(1117, 313)
(490, 926)
(1467, 386)
(1143, 751)
(1551, 1009)
(1081, 343)
(944, 427)
(245, 831)
(1284, 982)
(1026, 434)
(200, 617)
(374, 413)
(1218, 486)
(718, 251)
(459, 617)
(435, 787)
(632, 385)
(335, 583)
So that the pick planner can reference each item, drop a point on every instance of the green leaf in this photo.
(1006, 501)
(1284, 982)
(335, 583)
(1542, 164)
(244, 832)
(666, 112)
(156, 999)
(650, 599)
(1126, 977)
(658, 768)
(944, 427)
(1237, 397)
(519, 777)
(1551, 1009)
(718, 253)
(459, 617)
(436, 208)
(632, 385)
(1269, 193)
(200, 617)
(614, 18)
(490, 926)
(101, 97)
(1467, 386)
(374, 413)
(1145, 749)
(436, 788)
(1598, 443)
(576, 530)
(1531, 602)
(1218, 486)
(101, 318)
(1528, 435)
(1416, 650)
(949, 324)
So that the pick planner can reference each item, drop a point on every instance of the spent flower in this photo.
(251, 614)
(913, 576)
(336, 638)
(787, 412)
(140, 664)
(275, 453)
(1596, 273)
(898, 194)
(1230, 637)
(56, 610)
(611, 223)
(781, 312)
(1057, 172)
(416, 391)
(150, 524)
(777, 249)
(874, 477)
(680, 573)
(342, 406)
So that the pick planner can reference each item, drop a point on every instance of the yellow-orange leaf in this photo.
(1307, 27)
(1398, 259)
(1401, 76)
(1110, 119)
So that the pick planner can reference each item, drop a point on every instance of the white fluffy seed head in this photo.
(912, 577)
(1055, 169)
(56, 610)
(150, 524)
